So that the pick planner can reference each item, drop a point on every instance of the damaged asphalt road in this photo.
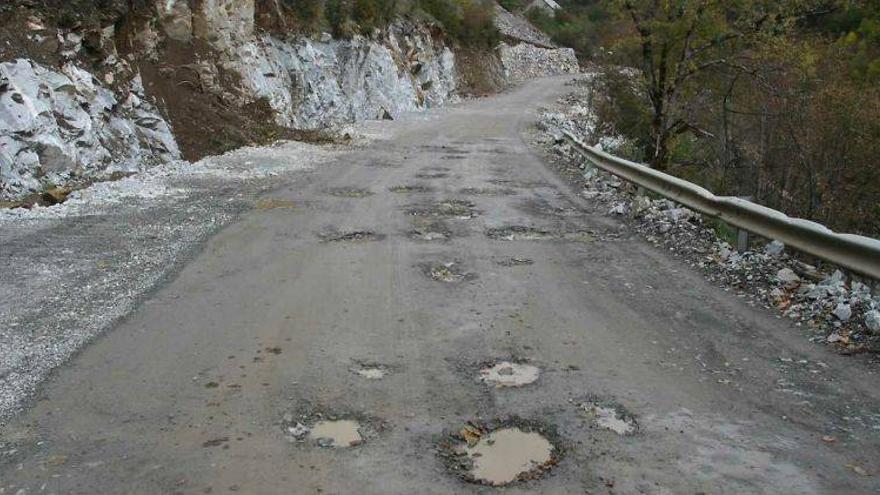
(382, 326)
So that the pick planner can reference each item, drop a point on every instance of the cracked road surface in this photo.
(376, 297)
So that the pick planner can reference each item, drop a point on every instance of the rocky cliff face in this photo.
(217, 80)
(61, 125)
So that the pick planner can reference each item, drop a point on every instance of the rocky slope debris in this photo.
(836, 309)
(517, 28)
(525, 61)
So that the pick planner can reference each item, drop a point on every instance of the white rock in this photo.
(872, 320)
(787, 276)
(843, 312)
(775, 248)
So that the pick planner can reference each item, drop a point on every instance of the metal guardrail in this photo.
(854, 252)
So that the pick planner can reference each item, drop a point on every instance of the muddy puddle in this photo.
(348, 192)
(339, 433)
(354, 236)
(500, 456)
(509, 374)
(410, 189)
(611, 417)
(457, 208)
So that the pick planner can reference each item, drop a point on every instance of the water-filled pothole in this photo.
(349, 192)
(518, 233)
(339, 433)
(457, 208)
(509, 374)
(500, 454)
(331, 431)
(353, 236)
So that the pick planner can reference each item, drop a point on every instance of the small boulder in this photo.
(775, 248)
(843, 311)
(872, 320)
(787, 276)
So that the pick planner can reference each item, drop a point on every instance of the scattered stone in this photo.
(872, 320)
(774, 248)
(787, 276)
(843, 312)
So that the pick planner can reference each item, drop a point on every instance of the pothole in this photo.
(339, 433)
(371, 371)
(448, 272)
(520, 184)
(500, 454)
(514, 261)
(518, 233)
(509, 374)
(348, 192)
(487, 191)
(433, 231)
(545, 208)
(457, 208)
(432, 175)
(330, 431)
(610, 416)
(409, 189)
(354, 236)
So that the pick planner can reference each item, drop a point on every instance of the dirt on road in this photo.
(437, 312)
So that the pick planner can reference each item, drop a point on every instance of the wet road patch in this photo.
(458, 208)
(353, 236)
(611, 416)
(500, 452)
(509, 374)
(410, 189)
(348, 192)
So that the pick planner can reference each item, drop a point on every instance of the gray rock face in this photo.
(525, 61)
(317, 84)
(59, 126)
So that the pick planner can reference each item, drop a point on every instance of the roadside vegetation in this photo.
(468, 22)
(778, 101)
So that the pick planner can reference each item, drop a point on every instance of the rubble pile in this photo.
(525, 61)
(838, 310)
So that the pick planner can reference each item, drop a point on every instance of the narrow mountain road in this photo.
(376, 292)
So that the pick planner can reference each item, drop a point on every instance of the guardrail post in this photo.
(742, 240)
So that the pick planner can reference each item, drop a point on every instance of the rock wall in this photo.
(524, 61)
(65, 125)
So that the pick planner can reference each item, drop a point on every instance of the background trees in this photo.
(777, 100)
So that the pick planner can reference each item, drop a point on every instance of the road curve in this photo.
(484, 256)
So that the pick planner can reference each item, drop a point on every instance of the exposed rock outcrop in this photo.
(62, 126)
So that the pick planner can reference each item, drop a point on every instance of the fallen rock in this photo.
(872, 320)
(843, 312)
(787, 276)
